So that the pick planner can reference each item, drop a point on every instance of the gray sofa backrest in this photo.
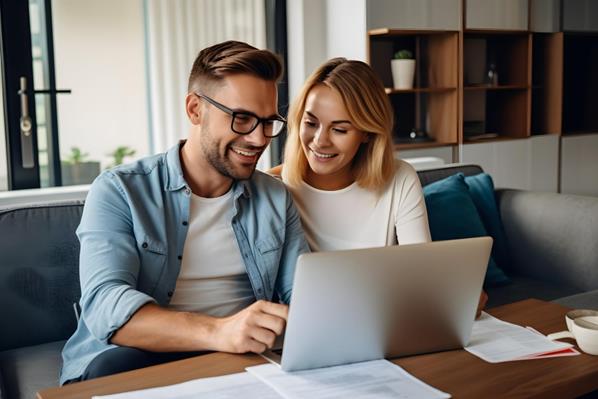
(39, 273)
(552, 236)
(39, 267)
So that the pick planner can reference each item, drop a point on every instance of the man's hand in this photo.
(254, 329)
(481, 303)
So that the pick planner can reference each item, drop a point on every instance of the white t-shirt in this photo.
(212, 279)
(354, 217)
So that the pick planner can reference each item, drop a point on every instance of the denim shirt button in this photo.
(179, 257)
(259, 290)
(144, 245)
(169, 294)
(185, 223)
(187, 191)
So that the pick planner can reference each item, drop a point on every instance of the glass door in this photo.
(90, 55)
(77, 80)
(91, 84)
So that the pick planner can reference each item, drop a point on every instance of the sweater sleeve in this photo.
(411, 223)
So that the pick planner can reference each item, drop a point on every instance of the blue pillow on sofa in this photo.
(452, 214)
(481, 189)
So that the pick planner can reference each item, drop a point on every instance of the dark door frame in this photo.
(15, 42)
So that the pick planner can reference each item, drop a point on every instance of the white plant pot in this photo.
(403, 72)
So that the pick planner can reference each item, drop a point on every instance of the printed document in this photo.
(497, 341)
(374, 379)
(232, 386)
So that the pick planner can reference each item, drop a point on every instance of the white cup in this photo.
(582, 325)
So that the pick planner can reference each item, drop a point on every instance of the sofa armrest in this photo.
(552, 237)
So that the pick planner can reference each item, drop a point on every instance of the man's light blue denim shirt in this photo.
(132, 235)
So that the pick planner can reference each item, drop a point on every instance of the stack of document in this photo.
(374, 379)
(497, 341)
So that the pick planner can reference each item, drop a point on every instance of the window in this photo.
(106, 80)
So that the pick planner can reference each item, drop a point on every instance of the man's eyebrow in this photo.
(244, 111)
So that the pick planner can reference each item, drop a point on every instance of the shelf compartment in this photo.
(435, 54)
(547, 83)
(434, 113)
(580, 83)
(509, 52)
(503, 113)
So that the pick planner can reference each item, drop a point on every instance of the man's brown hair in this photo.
(216, 62)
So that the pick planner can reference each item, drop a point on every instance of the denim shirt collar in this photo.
(176, 180)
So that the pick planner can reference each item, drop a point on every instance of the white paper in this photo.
(232, 386)
(496, 341)
(374, 379)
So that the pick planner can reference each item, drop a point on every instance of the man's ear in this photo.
(193, 107)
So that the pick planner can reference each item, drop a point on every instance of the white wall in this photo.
(527, 164)
(322, 29)
(99, 53)
(414, 14)
(346, 32)
(306, 35)
(579, 164)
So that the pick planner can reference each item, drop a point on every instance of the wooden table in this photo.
(456, 372)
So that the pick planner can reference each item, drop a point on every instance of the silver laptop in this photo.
(357, 305)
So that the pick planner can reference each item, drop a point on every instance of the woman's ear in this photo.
(366, 137)
(193, 108)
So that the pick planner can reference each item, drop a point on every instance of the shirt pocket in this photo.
(152, 257)
(269, 251)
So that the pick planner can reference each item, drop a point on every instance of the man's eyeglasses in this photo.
(245, 122)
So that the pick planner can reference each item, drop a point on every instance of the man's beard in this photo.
(221, 163)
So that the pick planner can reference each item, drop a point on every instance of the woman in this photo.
(339, 165)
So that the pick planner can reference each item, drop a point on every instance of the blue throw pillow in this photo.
(481, 189)
(452, 214)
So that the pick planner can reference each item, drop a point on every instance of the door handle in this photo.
(26, 125)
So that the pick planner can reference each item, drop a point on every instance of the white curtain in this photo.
(176, 30)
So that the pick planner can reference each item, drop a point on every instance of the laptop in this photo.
(357, 305)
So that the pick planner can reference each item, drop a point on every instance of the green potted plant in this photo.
(77, 169)
(403, 69)
(120, 153)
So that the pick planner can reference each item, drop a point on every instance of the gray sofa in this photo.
(552, 240)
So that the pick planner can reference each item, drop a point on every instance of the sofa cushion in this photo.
(481, 189)
(27, 370)
(39, 273)
(585, 300)
(452, 215)
(430, 176)
(522, 287)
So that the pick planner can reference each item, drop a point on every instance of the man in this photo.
(176, 248)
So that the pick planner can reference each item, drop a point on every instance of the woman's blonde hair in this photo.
(370, 112)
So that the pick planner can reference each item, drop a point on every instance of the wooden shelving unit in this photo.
(432, 105)
(454, 101)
